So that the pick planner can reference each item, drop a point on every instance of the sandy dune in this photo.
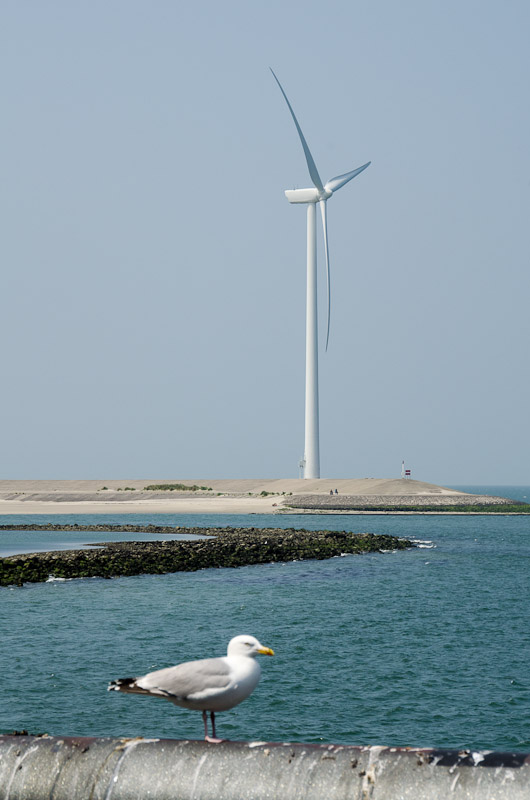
(225, 496)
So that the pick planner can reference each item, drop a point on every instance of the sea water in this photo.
(425, 647)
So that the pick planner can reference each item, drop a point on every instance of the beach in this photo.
(177, 505)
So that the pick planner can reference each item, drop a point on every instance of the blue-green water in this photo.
(427, 647)
(14, 542)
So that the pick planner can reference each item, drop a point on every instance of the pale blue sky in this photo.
(153, 273)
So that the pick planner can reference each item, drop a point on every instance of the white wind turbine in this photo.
(319, 194)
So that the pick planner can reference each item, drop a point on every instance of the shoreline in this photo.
(233, 508)
(221, 506)
(242, 506)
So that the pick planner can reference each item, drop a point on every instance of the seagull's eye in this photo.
(248, 644)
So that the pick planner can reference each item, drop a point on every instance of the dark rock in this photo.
(228, 547)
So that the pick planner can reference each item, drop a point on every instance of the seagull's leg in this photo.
(212, 738)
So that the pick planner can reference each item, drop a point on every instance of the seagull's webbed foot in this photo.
(207, 738)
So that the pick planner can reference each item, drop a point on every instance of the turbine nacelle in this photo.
(312, 195)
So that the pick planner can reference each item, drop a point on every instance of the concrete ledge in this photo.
(39, 768)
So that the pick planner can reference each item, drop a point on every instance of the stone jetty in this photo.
(439, 503)
(220, 547)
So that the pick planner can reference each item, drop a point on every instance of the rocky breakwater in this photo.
(227, 547)
(439, 503)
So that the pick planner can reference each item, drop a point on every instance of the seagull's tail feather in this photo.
(127, 685)
(130, 686)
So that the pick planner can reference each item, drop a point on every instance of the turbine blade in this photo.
(323, 211)
(336, 183)
(315, 177)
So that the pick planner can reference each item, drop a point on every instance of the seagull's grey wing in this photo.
(192, 679)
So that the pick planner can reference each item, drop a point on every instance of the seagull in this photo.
(211, 684)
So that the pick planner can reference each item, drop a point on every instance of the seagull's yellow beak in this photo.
(266, 651)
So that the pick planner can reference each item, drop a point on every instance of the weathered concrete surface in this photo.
(40, 768)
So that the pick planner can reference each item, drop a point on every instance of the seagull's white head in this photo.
(247, 646)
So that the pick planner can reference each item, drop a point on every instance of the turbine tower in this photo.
(320, 194)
